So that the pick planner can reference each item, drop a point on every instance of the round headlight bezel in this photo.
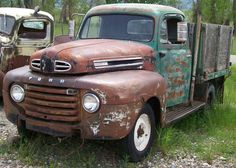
(97, 100)
(22, 90)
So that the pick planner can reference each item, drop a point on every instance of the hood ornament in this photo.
(46, 64)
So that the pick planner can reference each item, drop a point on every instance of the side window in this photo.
(163, 32)
(33, 30)
(92, 27)
(169, 28)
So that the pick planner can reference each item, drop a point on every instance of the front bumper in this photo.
(110, 122)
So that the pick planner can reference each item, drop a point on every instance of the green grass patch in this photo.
(234, 46)
(62, 28)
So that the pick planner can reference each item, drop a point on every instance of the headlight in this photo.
(90, 102)
(17, 93)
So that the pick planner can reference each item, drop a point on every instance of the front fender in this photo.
(122, 95)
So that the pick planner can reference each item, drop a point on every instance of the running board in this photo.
(175, 113)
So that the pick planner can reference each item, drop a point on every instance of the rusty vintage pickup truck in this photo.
(131, 69)
(22, 32)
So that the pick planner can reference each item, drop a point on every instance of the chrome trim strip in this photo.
(67, 65)
(120, 65)
(34, 63)
(103, 64)
(119, 59)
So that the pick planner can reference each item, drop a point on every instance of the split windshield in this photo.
(122, 27)
(6, 24)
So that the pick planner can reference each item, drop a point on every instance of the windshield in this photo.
(6, 24)
(123, 27)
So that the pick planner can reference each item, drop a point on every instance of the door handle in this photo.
(162, 54)
(188, 56)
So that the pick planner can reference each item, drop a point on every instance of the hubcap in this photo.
(142, 132)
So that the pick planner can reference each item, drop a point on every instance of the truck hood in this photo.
(93, 55)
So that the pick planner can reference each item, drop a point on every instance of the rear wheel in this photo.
(211, 96)
(139, 141)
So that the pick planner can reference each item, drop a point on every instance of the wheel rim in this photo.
(142, 132)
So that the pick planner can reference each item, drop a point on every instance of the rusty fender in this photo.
(122, 95)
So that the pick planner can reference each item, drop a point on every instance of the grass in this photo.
(62, 28)
(207, 136)
(234, 46)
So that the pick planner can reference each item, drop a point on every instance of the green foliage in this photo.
(234, 46)
(216, 11)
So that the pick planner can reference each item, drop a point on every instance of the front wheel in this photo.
(139, 141)
(23, 132)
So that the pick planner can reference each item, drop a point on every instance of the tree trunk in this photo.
(19, 3)
(234, 16)
(63, 13)
(196, 10)
(29, 4)
(43, 4)
(70, 9)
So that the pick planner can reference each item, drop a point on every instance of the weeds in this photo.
(234, 46)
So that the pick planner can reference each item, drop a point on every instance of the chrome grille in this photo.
(35, 63)
(59, 66)
(51, 103)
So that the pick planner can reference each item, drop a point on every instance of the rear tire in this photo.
(139, 141)
(211, 96)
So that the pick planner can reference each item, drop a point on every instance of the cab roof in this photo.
(18, 13)
(134, 8)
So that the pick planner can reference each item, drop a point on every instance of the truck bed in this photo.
(214, 50)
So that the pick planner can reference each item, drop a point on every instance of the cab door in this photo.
(175, 60)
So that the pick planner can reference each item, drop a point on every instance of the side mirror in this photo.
(182, 34)
(71, 28)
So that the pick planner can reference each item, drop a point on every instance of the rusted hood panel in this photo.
(120, 87)
(81, 55)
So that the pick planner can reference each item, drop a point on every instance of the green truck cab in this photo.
(130, 70)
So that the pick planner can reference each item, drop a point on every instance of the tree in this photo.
(29, 3)
(72, 6)
(196, 9)
(234, 16)
(212, 8)
(216, 11)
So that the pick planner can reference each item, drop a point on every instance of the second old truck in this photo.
(133, 68)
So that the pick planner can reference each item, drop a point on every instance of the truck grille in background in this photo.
(59, 66)
(51, 103)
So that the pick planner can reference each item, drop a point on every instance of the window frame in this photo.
(79, 36)
(172, 16)
(47, 28)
